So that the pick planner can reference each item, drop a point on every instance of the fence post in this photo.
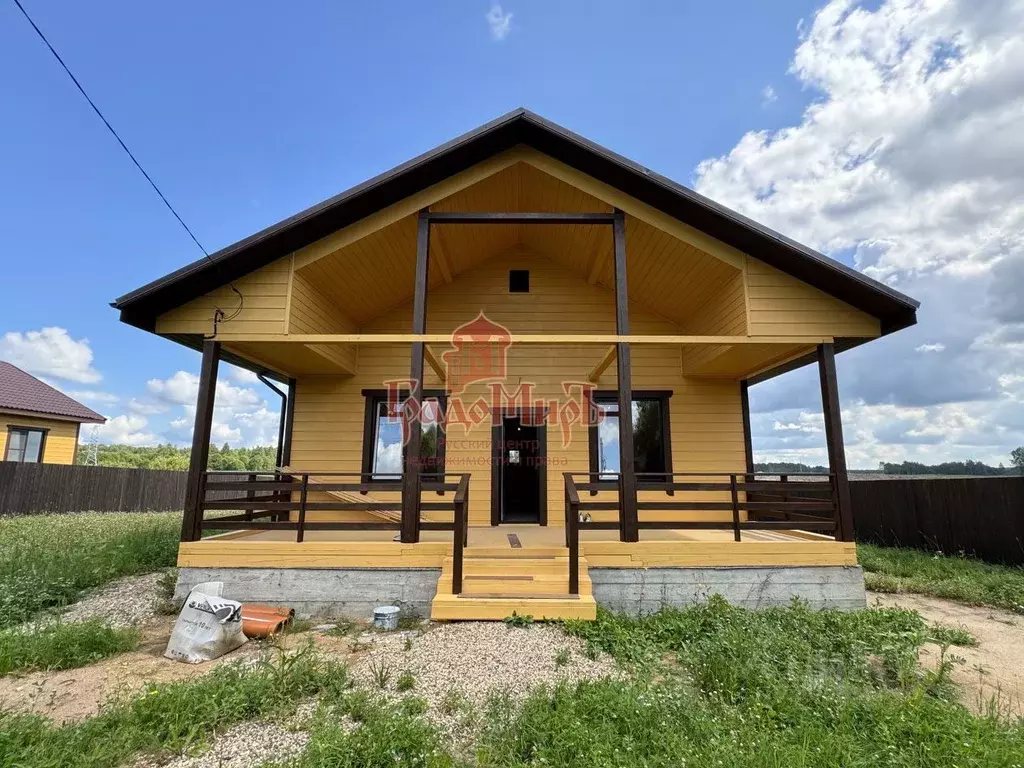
(735, 507)
(249, 496)
(302, 507)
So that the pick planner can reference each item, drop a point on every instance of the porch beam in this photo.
(435, 364)
(410, 532)
(487, 217)
(834, 439)
(191, 522)
(629, 527)
(748, 442)
(603, 363)
(520, 338)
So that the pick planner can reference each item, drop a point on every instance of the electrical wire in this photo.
(138, 165)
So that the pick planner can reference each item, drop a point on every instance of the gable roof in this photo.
(143, 305)
(20, 391)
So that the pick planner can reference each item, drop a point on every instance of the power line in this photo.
(127, 151)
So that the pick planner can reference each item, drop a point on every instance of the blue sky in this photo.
(245, 113)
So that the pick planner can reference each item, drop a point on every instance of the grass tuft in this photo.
(964, 579)
(172, 716)
(48, 561)
(57, 645)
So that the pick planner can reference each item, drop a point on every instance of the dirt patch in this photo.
(75, 694)
(992, 674)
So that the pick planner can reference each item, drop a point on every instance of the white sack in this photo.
(207, 627)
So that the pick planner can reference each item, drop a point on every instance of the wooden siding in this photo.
(724, 313)
(60, 440)
(781, 305)
(264, 309)
(706, 425)
(310, 311)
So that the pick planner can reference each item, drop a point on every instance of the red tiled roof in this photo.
(20, 391)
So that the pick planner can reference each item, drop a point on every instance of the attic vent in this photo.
(519, 281)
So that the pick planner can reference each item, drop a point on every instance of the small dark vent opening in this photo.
(519, 281)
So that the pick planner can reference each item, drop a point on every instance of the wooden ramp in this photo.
(498, 582)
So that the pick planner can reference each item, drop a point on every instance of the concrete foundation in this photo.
(355, 592)
(330, 592)
(638, 591)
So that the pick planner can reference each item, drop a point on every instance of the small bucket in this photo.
(386, 617)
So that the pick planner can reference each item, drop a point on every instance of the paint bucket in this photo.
(386, 617)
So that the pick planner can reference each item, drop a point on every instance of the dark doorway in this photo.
(520, 472)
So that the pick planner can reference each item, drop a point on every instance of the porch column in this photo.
(191, 522)
(748, 443)
(284, 448)
(834, 439)
(411, 476)
(628, 526)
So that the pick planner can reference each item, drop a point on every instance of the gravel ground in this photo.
(127, 602)
(474, 659)
(247, 745)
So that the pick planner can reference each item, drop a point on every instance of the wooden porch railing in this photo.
(264, 501)
(807, 503)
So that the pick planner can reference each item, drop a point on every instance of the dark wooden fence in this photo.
(979, 516)
(27, 489)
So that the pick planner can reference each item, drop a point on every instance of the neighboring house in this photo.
(38, 424)
(522, 287)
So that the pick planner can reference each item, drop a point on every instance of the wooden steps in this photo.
(497, 582)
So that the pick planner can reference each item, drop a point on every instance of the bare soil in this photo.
(75, 694)
(991, 677)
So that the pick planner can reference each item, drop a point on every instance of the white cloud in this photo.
(146, 407)
(90, 396)
(768, 96)
(499, 22)
(182, 388)
(123, 429)
(242, 376)
(909, 161)
(913, 157)
(50, 352)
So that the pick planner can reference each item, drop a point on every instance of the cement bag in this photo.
(207, 627)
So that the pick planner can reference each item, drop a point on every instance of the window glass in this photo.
(387, 438)
(649, 449)
(25, 445)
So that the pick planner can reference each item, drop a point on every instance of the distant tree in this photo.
(968, 467)
(257, 459)
(1017, 458)
(788, 467)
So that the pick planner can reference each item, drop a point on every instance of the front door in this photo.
(521, 471)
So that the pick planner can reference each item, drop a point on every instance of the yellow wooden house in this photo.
(38, 423)
(456, 342)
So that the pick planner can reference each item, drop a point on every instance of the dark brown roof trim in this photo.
(142, 306)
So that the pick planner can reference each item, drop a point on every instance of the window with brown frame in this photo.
(652, 442)
(383, 449)
(25, 444)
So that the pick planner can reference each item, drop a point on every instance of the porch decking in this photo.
(516, 568)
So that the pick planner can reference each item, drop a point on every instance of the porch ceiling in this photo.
(376, 273)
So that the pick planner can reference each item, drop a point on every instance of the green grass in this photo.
(172, 716)
(717, 685)
(964, 579)
(62, 646)
(48, 561)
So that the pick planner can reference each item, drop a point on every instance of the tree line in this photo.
(968, 467)
(258, 459)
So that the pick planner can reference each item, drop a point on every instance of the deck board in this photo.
(375, 549)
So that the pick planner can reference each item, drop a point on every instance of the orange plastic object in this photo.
(264, 620)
